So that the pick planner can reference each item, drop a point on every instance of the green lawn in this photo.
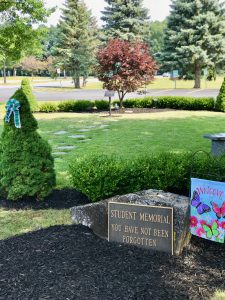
(93, 83)
(114, 136)
(128, 135)
(13, 222)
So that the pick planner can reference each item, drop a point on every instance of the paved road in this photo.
(47, 93)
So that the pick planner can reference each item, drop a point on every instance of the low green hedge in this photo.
(48, 107)
(186, 103)
(102, 104)
(100, 177)
(76, 106)
(173, 102)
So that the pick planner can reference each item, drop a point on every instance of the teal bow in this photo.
(12, 107)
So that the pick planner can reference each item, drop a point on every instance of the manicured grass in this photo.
(219, 295)
(93, 83)
(13, 222)
(141, 134)
(166, 83)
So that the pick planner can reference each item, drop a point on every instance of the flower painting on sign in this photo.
(207, 218)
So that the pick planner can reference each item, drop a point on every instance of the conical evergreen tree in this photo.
(125, 19)
(220, 101)
(30, 96)
(26, 164)
(195, 35)
(77, 40)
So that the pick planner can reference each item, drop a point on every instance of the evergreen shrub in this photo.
(220, 101)
(102, 104)
(186, 103)
(25, 84)
(26, 163)
(100, 177)
(76, 106)
(48, 107)
(173, 102)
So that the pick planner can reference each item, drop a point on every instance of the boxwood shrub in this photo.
(48, 107)
(186, 103)
(76, 106)
(102, 104)
(102, 176)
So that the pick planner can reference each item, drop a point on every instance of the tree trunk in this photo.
(84, 81)
(4, 72)
(121, 95)
(14, 72)
(77, 82)
(197, 76)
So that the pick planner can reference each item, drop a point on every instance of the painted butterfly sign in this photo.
(207, 218)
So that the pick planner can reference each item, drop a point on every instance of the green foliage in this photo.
(174, 102)
(102, 104)
(220, 102)
(187, 103)
(76, 106)
(48, 107)
(76, 41)
(26, 164)
(26, 87)
(146, 102)
(155, 37)
(17, 36)
(126, 20)
(194, 38)
(100, 177)
(211, 74)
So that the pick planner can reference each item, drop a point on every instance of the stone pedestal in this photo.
(95, 215)
(218, 143)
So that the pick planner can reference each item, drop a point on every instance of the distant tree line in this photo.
(190, 40)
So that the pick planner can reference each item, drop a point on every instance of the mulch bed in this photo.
(59, 199)
(70, 262)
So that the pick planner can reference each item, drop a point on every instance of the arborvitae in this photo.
(26, 163)
(75, 48)
(220, 101)
(30, 96)
(125, 19)
(194, 38)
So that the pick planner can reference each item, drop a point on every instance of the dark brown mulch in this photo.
(59, 199)
(136, 110)
(70, 262)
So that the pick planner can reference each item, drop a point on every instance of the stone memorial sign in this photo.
(96, 216)
(145, 226)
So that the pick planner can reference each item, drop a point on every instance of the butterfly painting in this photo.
(201, 207)
(220, 211)
(211, 230)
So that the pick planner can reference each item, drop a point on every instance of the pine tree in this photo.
(220, 101)
(26, 163)
(30, 96)
(125, 19)
(195, 35)
(75, 50)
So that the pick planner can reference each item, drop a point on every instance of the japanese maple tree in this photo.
(125, 66)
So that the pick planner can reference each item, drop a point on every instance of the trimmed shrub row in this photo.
(99, 177)
(173, 102)
(187, 103)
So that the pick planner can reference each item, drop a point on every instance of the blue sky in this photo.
(158, 9)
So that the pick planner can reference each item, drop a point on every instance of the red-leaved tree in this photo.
(125, 66)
